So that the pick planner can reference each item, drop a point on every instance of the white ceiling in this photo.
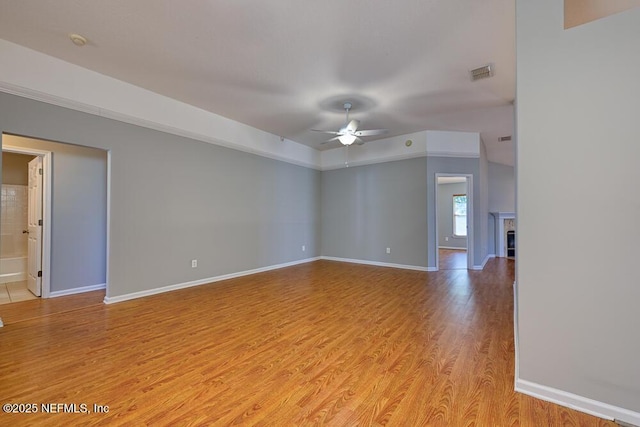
(287, 66)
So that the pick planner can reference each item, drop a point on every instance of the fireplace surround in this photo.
(504, 223)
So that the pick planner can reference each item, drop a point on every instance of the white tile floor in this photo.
(14, 292)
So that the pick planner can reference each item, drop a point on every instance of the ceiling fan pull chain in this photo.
(346, 156)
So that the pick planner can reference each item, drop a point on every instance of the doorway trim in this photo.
(46, 211)
(470, 228)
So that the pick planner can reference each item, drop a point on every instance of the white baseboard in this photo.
(579, 403)
(377, 263)
(516, 331)
(13, 277)
(432, 269)
(81, 290)
(452, 247)
(154, 291)
(486, 259)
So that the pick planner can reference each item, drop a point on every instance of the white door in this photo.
(34, 247)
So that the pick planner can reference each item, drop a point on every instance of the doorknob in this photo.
(25, 231)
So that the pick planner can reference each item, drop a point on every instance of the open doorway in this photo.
(454, 222)
(26, 212)
(72, 220)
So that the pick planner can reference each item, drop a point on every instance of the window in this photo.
(460, 215)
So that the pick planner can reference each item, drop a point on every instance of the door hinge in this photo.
(39, 222)
(40, 171)
(40, 273)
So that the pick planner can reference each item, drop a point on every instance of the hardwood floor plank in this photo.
(324, 343)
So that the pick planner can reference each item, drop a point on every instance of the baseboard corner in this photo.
(376, 263)
(80, 290)
(577, 402)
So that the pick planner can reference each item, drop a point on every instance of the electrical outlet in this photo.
(304, 248)
(194, 263)
(446, 239)
(388, 250)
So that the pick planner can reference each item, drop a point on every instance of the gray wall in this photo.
(482, 210)
(491, 227)
(174, 199)
(445, 215)
(366, 209)
(502, 196)
(78, 212)
(577, 146)
(502, 188)
(461, 166)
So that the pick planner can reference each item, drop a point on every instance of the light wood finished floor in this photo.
(324, 343)
(452, 259)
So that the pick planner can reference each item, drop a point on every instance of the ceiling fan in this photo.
(349, 134)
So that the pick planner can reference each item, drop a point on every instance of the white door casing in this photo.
(470, 211)
(34, 246)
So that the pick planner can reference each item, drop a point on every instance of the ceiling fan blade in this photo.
(371, 132)
(359, 141)
(332, 139)
(352, 126)
(330, 132)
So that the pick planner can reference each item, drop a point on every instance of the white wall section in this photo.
(578, 97)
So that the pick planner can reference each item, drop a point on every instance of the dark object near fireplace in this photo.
(511, 243)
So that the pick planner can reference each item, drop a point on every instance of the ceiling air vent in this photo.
(504, 138)
(481, 73)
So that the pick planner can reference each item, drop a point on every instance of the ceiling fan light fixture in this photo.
(349, 133)
(347, 139)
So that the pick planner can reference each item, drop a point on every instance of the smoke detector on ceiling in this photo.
(77, 39)
(481, 73)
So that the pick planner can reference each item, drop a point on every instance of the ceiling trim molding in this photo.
(453, 154)
(386, 159)
(126, 118)
(47, 98)
(30, 74)
(35, 75)
(394, 157)
(424, 144)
